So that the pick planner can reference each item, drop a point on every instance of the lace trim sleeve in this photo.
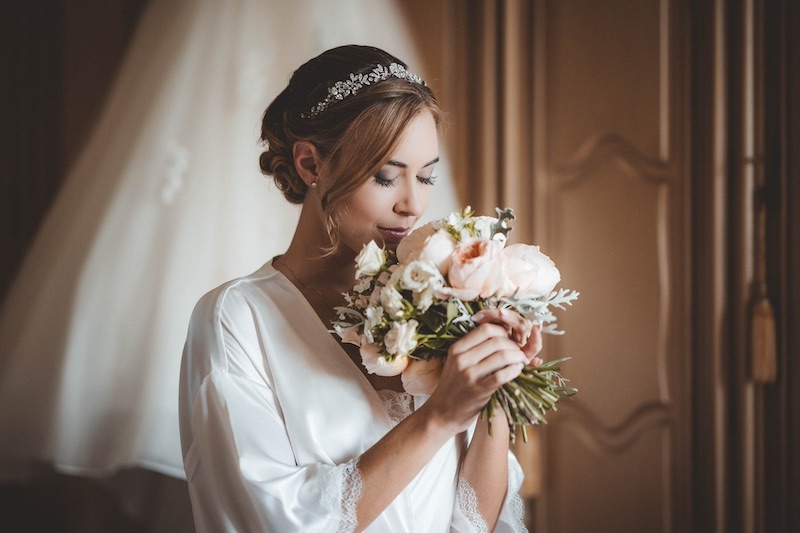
(341, 489)
(468, 503)
(513, 514)
(514, 503)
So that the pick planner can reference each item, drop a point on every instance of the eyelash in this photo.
(383, 182)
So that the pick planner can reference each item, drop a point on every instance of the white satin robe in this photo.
(271, 412)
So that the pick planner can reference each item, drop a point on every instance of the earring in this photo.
(313, 185)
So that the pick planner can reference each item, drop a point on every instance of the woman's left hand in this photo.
(520, 330)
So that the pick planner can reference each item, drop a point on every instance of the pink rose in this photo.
(531, 273)
(376, 363)
(477, 269)
(412, 244)
(438, 249)
(421, 376)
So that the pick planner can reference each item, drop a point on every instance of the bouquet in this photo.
(407, 308)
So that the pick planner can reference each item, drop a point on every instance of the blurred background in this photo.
(649, 146)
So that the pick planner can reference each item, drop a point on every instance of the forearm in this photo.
(485, 467)
(393, 462)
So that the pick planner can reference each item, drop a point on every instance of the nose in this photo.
(412, 201)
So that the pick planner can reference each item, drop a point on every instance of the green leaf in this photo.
(452, 311)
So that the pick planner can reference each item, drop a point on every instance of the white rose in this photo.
(418, 276)
(438, 249)
(376, 363)
(392, 301)
(423, 300)
(409, 247)
(401, 339)
(374, 317)
(369, 260)
(424, 280)
(531, 273)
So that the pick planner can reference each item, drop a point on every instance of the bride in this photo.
(164, 202)
(282, 429)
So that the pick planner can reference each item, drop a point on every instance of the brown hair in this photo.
(354, 137)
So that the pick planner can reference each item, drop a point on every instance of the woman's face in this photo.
(387, 206)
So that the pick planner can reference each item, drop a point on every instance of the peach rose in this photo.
(531, 273)
(421, 376)
(477, 269)
(376, 363)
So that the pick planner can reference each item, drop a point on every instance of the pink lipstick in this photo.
(393, 234)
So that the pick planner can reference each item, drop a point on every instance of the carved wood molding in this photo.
(579, 168)
(604, 146)
(605, 439)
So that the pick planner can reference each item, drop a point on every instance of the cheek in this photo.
(364, 206)
(426, 195)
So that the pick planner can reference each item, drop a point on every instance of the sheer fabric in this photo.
(164, 203)
(468, 503)
(340, 493)
(274, 414)
(398, 405)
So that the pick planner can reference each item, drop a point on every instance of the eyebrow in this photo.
(400, 164)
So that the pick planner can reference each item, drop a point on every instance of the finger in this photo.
(516, 325)
(486, 349)
(500, 377)
(476, 337)
(534, 343)
(496, 361)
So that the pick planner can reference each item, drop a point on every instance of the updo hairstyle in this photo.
(354, 137)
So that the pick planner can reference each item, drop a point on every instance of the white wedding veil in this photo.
(165, 202)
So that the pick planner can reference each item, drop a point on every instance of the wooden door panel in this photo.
(611, 212)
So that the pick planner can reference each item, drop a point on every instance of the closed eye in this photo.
(384, 181)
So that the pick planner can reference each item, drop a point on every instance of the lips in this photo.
(394, 234)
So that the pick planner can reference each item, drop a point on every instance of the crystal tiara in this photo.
(342, 89)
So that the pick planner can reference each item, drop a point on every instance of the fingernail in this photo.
(478, 315)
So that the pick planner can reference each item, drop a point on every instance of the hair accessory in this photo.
(342, 89)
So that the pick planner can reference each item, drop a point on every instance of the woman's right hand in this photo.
(476, 366)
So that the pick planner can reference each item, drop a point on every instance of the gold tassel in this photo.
(764, 356)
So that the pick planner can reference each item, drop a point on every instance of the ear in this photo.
(307, 161)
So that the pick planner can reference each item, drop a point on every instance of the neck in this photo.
(305, 256)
